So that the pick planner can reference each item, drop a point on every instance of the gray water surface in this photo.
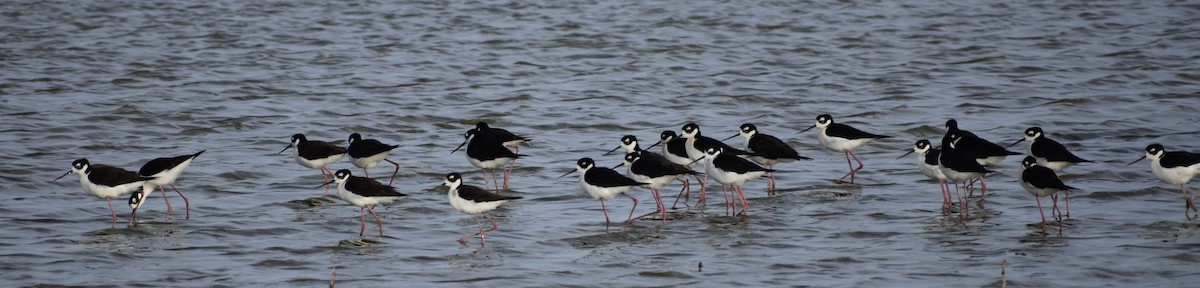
(122, 82)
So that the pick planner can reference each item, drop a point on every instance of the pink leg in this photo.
(686, 191)
(1067, 201)
(495, 182)
(394, 172)
(365, 174)
(132, 218)
(187, 205)
(605, 209)
(114, 212)
(507, 173)
(377, 220)
(741, 195)
(659, 206)
(362, 220)
(850, 154)
(982, 191)
(771, 181)
(728, 200)
(630, 219)
(477, 223)
(1039, 204)
(326, 179)
(1191, 202)
(164, 192)
(1059, 216)
(703, 195)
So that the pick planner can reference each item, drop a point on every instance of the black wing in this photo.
(845, 131)
(1042, 177)
(489, 149)
(957, 161)
(1174, 159)
(605, 177)
(370, 188)
(704, 142)
(1053, 151)
(113, 176)
(769, 147)
(318, 149)
(931, 157)
(158, 165)
(479, 195)
(368, 147)
(654, 166)
(677, 147)
(980, 148)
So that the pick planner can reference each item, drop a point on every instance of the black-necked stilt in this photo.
(648, 167)
(960, 168)
(984, 151)
(105, 181)
(1049, 153)
(475, 201)
(135, 201)
(696, 145)
(675, 149)
(605, 184)
(165, 171)
(927, 161)
(1174, 167)
(1042, 181)
(768, 151)
(842, 138)
(652, 161)
(366, 153)
(730, 170)
(511, 141)
(487, 154)
(364, 193)
(316, 155)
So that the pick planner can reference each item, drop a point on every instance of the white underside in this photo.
(106, 191)
(931, 171)
(990, 161)
(1056, 165)
(369, 161)
(730, 178)
(1177, 175)
(840, 144)
(318, 163)
(958, 177)
(602, 193)
(472, 207)
(359, 200)
(490, 164)
(694, 153)
(167, 177)
(655, 183)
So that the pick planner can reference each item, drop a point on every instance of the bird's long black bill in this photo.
(1135, 161)
(730, 137)
(568, 173)
(906, 154)
(652, 146)
(697, 160)
(613, 150)
(459, 147)
(284, 149)
(619, 165)
(64, 175)
(1015, 143)
(806, 130)
(326, 183)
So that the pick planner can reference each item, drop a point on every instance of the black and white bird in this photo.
(511, 141)
(487, 154)
(960, 168)
(650, 164)
(842, 138)
(927, 162)
(364, 193)
(730, 170)
(105, 181)
(984, 151)
(1175, 167)
(1049, 153)
(643, 166)
(696, 145)
(316, 155)
(164, 172)
(367, 153)
(1041, 181)
(605, 184)
(475, 201)
(767, 151)
(675, 149)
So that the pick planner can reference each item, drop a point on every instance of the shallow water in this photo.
(122, 82)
